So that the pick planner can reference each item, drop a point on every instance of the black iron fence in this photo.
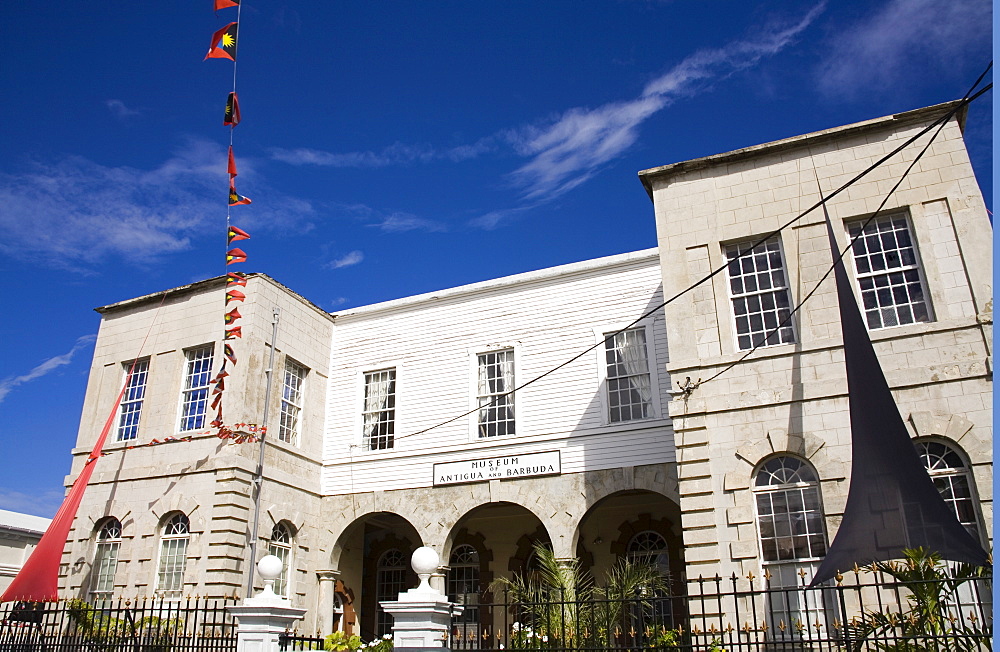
(861, 611)
(118, 626)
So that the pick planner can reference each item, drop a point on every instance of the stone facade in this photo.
(790, 399)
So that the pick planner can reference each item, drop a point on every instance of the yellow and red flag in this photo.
(224, 43)
(232, 117)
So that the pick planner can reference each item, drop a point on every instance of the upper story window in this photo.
(758, 286)
(952, 479)
(495, 377)
(280, 545)
(173, 556)
(379, 413)
(888, 270)
(630, 391)
(109, 540)
(789, 513)
(131, 407)
(291, 401)
(194, 395)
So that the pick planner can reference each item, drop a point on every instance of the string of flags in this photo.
(223, 46)
(240, 433)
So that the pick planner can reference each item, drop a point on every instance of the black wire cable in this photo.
(940, 122)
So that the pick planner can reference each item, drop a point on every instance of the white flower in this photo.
(387, 636)
(516, 627)
(545, 639)
(501, 646)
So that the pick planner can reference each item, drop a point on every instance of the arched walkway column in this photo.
(327, 583)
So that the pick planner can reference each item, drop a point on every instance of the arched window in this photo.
(792, 538)
(109, 539)
(463, 583)
(280, 545)
(390, 581)
(649, 547)
(173, 556)
(951, 476)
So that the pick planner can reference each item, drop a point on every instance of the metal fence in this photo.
(861, 611)
(118, 626)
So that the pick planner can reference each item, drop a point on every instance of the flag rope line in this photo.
(965, 101)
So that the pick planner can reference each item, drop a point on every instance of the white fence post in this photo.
(421, 616)
(262, 619)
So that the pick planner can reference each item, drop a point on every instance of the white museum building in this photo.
(392, 428)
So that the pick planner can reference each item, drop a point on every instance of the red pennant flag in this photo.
(224, 43)
(235, 256)
(234, 295)
(236, 199)
(216, 401)
(232, 117)
(228, 351)
(220, 386)
(233, 333)
(224, 4)
(236, 278)
(232, 316)
(232, 163)
(237, 234)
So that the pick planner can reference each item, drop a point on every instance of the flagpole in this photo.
(258, 480)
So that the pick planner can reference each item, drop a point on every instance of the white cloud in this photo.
(44, 504)
(395, 154)
(352, 258)
(493, 219)
(904, 40)
(400, 222)
(73, 213)
(46, 367)
(119, 109)
(575, 145)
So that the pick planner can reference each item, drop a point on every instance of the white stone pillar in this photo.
(327, 585)
(262, 619)
(421, 616)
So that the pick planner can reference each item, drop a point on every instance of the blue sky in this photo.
(392, 148)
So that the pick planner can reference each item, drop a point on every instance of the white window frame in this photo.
(132, 399)
(283, 550)
(289, 407)
(518, 397)
(171, 542)
(189, 361)
(106, 549)
(772, 291)
(359, 401)
(600, 335)
(916, 266)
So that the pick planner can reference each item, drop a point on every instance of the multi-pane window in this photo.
(630, 393)
(194, 396)
(280, 545)
(650, 548)
(758, 287)
(950, 475)
(792, 540)
(390, 581)
(885, 259)
(173, 557)
(463, 589)
(109, 540)
(291, 402)
(379, 413)
(131, 407)
(496, 406)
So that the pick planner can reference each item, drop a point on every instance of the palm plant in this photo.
(930, 624)
(563, 607)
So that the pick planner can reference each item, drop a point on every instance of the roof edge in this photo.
(915, 115)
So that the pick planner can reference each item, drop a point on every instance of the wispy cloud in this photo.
(73, 213)
(493, 219)
(118, 108)
(400, 222)
(352, 258)
(395, 154)
(42, 504)
(45, 368)
(574, 146)
(882, 50)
